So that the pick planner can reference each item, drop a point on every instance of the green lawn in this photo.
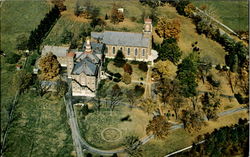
(41, 128)
(234, 14)
(95, 123)
(20, 17)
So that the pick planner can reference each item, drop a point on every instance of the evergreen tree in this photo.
(119, 60)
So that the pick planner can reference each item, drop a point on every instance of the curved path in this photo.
(81, 143)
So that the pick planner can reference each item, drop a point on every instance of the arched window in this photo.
(136, 52)
(128, 51)
(121, 48)
(143, 52)
(113, 50)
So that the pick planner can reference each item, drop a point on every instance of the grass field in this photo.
(41, 128)
(20, 17)
(179, 139)
(94, 124)
(233, 13)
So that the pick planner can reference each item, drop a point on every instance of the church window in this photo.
(136, 52)
(143, 52)
(128, 51)
(113, 50)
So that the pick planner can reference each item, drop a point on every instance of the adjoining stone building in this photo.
(83, 67)
(135, 46)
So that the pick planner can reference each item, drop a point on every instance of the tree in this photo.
(192, 120)
(119, 60)
(21, 42)
(77, 10)
(139, 90)
(159, 126)
(163, 70)
(181, 7)
(41, 89)
(66, 37)
(210, 104)
(148, 105)
(168, 29)
(128, 68)
(22, 80)
(126, 78)
(115, 96)
(176, 103)
(97, 22)
(170, 50)
(143, 66)
(106, 17)
(12, 58)
(189, 10)
(153, 3)
(59, 4)
(131, 97)
(186, 74)
(116, 16)
(132, 146)
(49, 66)
(61, 88)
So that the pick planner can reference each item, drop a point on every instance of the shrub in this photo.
(116, 80)
(12, 58)
(126, 78)
(128, 68)
(143, 66)
(212, 81)
(241, 99)
(180, 7)
(117, 75)
(139, 90)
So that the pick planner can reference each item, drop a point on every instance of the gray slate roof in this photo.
(121, 38)
(85, 66)
(88, 63)
(56, 50)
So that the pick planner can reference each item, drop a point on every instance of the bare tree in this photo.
(115, 96)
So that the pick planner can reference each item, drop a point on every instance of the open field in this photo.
(179, 139)
(41, 128)
(234, 13)
(20, 17)
(104, 129)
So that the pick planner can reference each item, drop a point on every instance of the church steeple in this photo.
(88, 46)
(147, 29)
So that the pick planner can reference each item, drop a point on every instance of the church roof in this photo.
(85, 66)
(122, 38)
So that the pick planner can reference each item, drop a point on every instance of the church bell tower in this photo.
(147, 29)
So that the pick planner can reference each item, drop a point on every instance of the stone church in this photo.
(135, 46)
(84, 66)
